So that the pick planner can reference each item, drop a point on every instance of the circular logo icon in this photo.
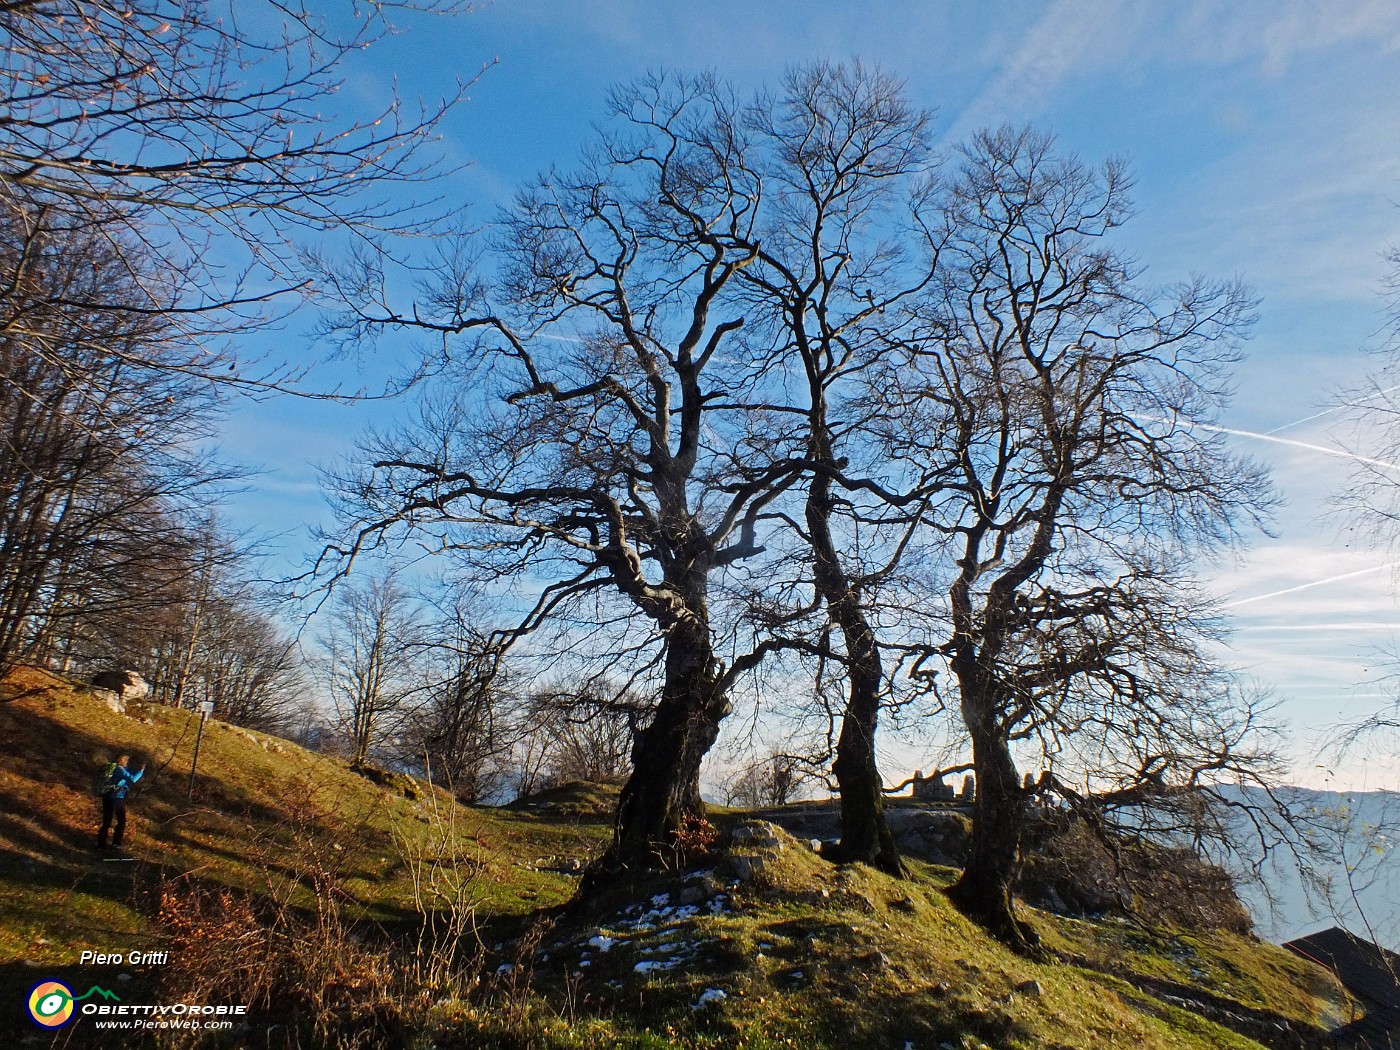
(51, 1004)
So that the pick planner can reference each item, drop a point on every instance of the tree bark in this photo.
(983, 891)
(664, 787)
(865, 834)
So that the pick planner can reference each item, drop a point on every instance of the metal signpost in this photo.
(206, 708)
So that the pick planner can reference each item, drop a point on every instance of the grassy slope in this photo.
(807, 954)
(258, 802)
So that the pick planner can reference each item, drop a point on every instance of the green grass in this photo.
(811, 955)
(808, 954)
(259, 803)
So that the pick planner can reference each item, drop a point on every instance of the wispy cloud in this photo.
(1072, 37)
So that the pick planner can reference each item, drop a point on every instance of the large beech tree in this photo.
(1074, 403)
(600, 444)
(844, 244)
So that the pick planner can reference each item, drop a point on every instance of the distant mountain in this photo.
(1351, 877)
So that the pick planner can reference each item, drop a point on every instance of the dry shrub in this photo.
(695, 839)
(1071, 870)
(306, 971)
(287, 951)
(446, 880)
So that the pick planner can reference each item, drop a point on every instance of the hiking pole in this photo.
(205, 708)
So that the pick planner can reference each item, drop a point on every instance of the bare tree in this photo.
(182, 629)
(368, 658)
(201, 133)
(1074, 403)
(462, 729)
(588, 729)
(250, 668)
(844, 244)
(611, 457)
(100, 467)
(771, 782)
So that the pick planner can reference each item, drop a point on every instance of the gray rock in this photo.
(746, 867)
(757, 833)
(128, 685)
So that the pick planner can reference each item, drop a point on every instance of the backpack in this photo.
(105, 782)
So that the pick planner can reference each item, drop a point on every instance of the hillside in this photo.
(345, 911)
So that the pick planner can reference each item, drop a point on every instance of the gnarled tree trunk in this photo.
(983, 891)
(865, 835)
(664, 788)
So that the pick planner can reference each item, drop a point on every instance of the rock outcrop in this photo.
(128, 685)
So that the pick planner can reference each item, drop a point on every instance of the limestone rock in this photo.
(112, 699)
(746, 867)
(127, 684)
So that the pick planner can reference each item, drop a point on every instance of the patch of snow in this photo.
(710, 995)
(602, 942)
(651, 965)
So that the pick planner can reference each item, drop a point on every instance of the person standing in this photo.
(118, 781)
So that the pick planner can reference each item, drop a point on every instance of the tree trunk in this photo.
(865, 834)
(664, 787)
(983, 891)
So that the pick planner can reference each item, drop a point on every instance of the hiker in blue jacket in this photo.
(118, 782)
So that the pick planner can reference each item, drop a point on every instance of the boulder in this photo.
(127, 685)
(758, 834)
(112, 699)
(746, 866)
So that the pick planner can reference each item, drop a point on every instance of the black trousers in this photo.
(113, 808)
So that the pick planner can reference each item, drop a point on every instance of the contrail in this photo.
(1320, 627)
(1329, 411)
(1324, 449)
(1305, 419)
(1305, 586)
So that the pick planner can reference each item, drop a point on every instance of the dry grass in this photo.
(353, 911)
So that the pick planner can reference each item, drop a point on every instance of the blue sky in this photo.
(1265, 142)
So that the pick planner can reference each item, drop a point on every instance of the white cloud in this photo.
(1072, 37)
